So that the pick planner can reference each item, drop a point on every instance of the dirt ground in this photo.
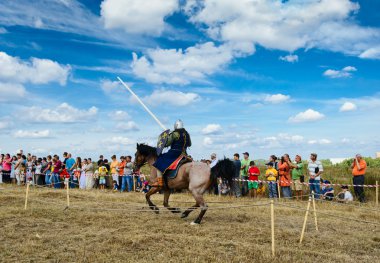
(118, 227)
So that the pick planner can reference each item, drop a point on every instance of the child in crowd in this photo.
(115, 186)
(345, 196)
(103, 171)
(271, 175)
(261, 190)
(327, 191)
(253, 176)
(65, 176)
(145, 186)
(38, 173)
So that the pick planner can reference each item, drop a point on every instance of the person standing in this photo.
(315, 169)
(297, 172)
(7, 167)
(48, 170)
(120, 170)
(253, 183)
(216, 184)
(271, 175)
(359, 167)
(82, 179)
(128, 174)
(214, 161)
(70, 169)
(244, 173)
(89, 174)
(57, 166)
(284, 172)
(114, 166)
(235, 182)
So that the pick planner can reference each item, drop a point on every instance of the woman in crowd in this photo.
(6, 168)
(77, 170)
(82, 180)
(89, 174)
(284, 172)
(47, 170)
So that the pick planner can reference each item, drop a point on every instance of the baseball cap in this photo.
(246, 153)
(213, 155)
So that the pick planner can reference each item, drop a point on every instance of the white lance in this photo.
(142, 104)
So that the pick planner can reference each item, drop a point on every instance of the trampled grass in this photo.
(118, 227)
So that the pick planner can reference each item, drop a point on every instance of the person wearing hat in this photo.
(315, 169)
(359, 167)
(345, 195)
(244, 173)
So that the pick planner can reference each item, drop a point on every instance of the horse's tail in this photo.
(224, 169)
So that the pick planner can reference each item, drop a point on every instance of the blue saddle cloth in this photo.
(166, 159)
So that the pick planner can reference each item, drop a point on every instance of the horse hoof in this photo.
(194, 224)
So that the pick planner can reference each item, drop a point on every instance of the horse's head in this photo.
(143, 154)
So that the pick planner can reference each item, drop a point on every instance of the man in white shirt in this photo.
(315, 169)
(213, 160)
(345, 196)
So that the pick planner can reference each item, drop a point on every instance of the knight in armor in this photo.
(178, 140)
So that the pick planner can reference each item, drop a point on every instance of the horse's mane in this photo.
(225, 169)
(146, 150)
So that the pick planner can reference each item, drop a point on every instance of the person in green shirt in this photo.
(244, 173)
(297, 172)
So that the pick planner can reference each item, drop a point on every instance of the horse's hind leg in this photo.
(166, 203)
(201, 202)
(147, 197)
(189, 210)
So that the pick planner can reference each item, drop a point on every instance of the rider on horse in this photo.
(178, 140)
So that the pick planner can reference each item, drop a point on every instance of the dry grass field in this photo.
(117, 227)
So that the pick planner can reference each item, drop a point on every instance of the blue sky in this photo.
(267, 77)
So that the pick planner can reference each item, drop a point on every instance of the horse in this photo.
(197, 177)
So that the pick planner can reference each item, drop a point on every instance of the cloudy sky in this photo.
(267, 77)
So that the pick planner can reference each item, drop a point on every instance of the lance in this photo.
(142, 104)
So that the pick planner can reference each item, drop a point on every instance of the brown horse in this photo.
(197, 177)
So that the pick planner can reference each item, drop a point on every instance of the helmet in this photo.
(178, 125)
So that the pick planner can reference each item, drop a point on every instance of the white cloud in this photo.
(371, 53)
(289, 58)
(285, 25)
(119, 115)
(212, 129)
(11, 92)
(170, 97)
(64, 113)
(5, 124)
(109, 86)
(348, 106)
(119, 140)
(276, 98)
(173, 66)
(32, 134)
(307, 116)
(345, 72)
(136, 16)
(320, 142)
(207, 142)
(36, 71)
(127, 126)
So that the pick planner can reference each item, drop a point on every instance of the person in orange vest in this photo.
(359, 167)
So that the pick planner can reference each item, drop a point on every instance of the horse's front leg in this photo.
(166, 203)
(152, 206)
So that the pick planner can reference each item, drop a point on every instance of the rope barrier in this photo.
(304, 183)
(328, 214)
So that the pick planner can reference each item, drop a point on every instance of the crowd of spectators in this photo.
(282, 178)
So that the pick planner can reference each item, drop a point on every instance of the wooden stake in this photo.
(272, 224)
(315, 212)
(67, 192)
(305, 220)
(279, 189)
(26, 195)
(377, 193)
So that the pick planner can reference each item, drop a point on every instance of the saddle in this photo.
(172, 170)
